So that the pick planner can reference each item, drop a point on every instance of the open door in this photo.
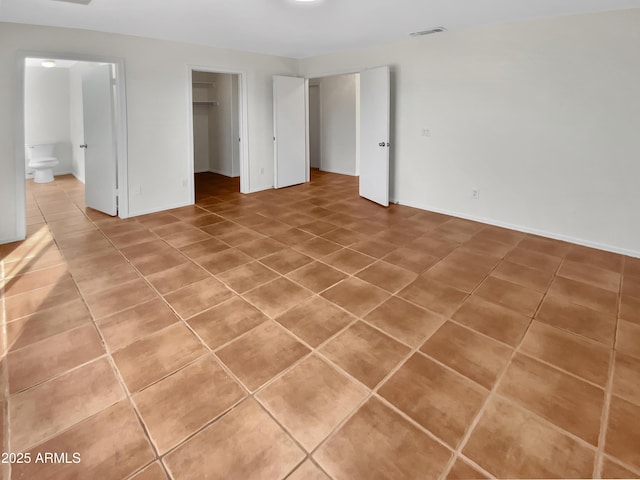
(375, 105)
(289, 131)
(100, 154)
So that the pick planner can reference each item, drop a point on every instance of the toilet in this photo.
(42, 161)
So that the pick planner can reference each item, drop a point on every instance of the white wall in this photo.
(542, 116)
(46, 112)
(338, 123)
(314, 125)
(157, 109)
(76, 120)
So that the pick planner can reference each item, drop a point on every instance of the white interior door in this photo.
(375, 105)
(289, 131)
(100, 152)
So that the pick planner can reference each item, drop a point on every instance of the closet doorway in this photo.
(217, 122)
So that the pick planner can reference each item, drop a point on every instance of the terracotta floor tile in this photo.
(106, 279)
(171, 416)
(133, 238)
(54, 406)
(458, 276)
(343, 236)
(348, 261)
(124, 328)
(46, 323)
(40, 299)
(174, 278)
(148, 360)
(524, 276)
(473, 355)
(227, 321)
(247, 276)
(317, 227)
(511, 442)
(239, 237)
(188, 236)
(261, 247)
(547, 246)
(530, 258)
(559, 312)
(585, 358)
(114, 433)
(611, 469)
(266, 450)
(198, 296)
(316, 276)
(486, 246)
(33, 280)
(373, 248)
(277, 296)
(261, 354)
(440, 400)
(199, 250)
(433, 295)
(626, 378)
(570, 403)
(493, 320)
(416, 261)
(596, 276)
(519, 299)
(317, 247)
(404, 321)
(119, 298)
(434, 245)
(158, 219)
(630, 309)
(285, 261)
(628, 338)
(308, 471)
(631, 286)
(461, 470)
(586, 295)
(311, 399)
(53, 356)
(623, 436)
(315, 320)
(152, 472)
(598, 258)
(223, 261)
(378, 443)
(157, 262)
(47, 257)
(389, 277)
(365, 353)
(292, 236)
(355, 296)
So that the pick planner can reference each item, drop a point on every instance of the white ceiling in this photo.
(37, 62)
(287, 28)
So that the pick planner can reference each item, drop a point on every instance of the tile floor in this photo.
(306, 333)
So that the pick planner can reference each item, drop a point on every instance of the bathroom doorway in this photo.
(76, 106)
(218, 125)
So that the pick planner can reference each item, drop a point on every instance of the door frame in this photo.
(120, 130)
(243, 114)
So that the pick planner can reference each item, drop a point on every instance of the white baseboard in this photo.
(221, 172)
(339, 172)
(158, 209)
(77, 177)
(524, 229)
(261, 189)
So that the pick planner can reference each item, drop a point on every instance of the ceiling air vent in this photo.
(77, 2)
(428, 32)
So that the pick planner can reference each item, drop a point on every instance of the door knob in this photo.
(83, 146)
(382, 144)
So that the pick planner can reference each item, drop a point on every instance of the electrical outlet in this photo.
(426, 132)
(137, 189)
(262, 171)
(184, 183)
(475, 193)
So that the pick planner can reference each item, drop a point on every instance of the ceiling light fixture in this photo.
(48, 63)
(428, 32)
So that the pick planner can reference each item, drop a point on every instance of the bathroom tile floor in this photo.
(306, 333)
